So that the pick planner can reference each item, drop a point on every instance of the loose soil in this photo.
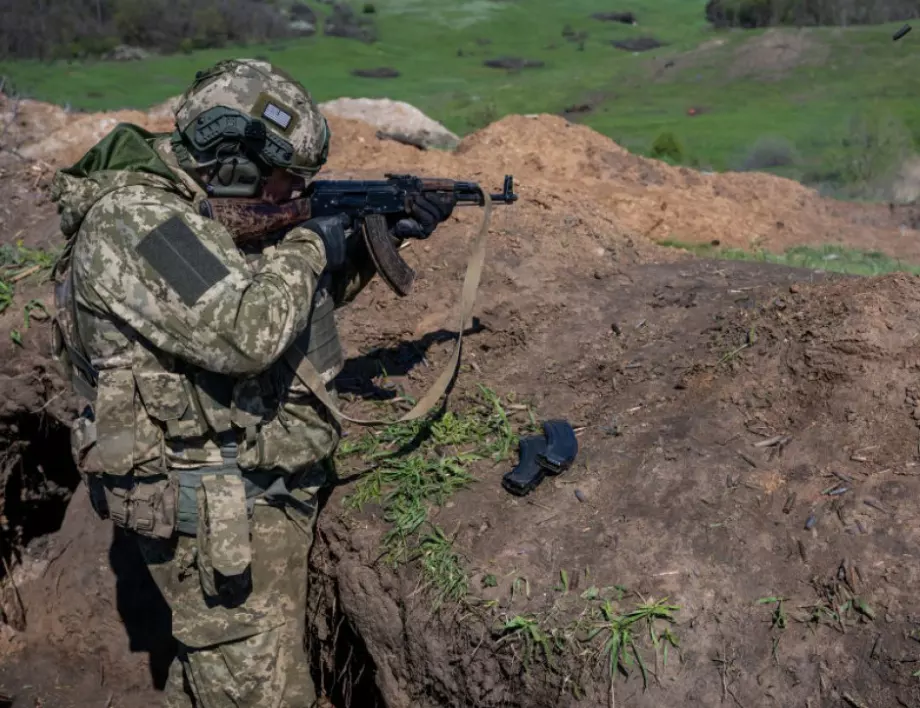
(718, 404)
(381, 72)
(637, 44)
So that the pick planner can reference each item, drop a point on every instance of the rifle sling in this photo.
(310, 377)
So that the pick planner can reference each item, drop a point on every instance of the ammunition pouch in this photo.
(146, 507)
(222, 531)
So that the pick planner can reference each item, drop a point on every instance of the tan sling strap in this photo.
(308, 375)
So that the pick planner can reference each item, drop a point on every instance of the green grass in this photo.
(837, 259)
(439, 48)
(413, 466)
(599, 626)
(18, 263)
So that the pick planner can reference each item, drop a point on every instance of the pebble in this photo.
(580, 495)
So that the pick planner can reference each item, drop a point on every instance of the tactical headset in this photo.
(241, 147)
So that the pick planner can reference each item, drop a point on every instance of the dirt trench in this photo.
(722, 408)
(678, 497)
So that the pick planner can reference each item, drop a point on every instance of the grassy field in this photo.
(833, 259)
(804, 92)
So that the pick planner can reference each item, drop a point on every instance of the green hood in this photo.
(126, 157)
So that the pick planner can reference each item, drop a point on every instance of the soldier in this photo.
(198, 438)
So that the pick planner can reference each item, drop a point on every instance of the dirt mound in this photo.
(393, 117)
(776, 52)
(721, 409)
(559, 162)
(637, 44)
(380, 72)
(745, 433)
(48, 133)
(513, 63)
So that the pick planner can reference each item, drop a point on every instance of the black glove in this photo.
(428, 210)
(331, 229)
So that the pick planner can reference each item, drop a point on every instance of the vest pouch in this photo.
(224, 552)
(82, 443)
(110, 448)
(319, 343)
(215, 398)
(253, 402)
(146, 506)
(293, 441)
(167, 400)
(59, 350)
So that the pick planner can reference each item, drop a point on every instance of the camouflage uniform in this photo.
(199, 438)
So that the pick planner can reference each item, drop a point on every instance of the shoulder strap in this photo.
(310, 378)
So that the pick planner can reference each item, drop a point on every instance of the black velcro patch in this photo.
(182, 260)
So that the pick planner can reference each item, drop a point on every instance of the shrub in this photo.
(666, 146)
(863, 157)
(769, 152)
(750, 14)
(81, 28)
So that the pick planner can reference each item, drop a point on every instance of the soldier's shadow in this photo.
(143, 610)
(357, 377)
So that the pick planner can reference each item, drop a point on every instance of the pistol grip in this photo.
(390, 265)
(528, 473)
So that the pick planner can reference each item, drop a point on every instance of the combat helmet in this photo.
(244, 117)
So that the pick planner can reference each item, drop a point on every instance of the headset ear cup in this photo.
(227, 171)
(239, 177)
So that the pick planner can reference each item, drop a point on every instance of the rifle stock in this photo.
(250, 220)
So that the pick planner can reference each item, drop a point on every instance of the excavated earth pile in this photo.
(748, 450)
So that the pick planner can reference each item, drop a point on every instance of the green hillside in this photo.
(827, 105)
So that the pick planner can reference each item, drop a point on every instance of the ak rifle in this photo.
(372, 205)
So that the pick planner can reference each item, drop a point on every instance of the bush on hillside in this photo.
(863, 159)
(750, 14)
(86, 28)
(667, 147)
(769, 152)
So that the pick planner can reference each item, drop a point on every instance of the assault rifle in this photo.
(367, 202)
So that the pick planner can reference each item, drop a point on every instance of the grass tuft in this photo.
(835, 259)
(18, 263)
(422, 463)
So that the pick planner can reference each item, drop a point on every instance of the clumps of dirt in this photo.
(719, 405)
(555, 163)
(626, 18)
(513, 63)
(637, 44)
(906, 188)
(380, 72)
(344, 22)
(45, 132)
(571, 35)
(775, 53)
(715, 402)
(576, 110)
(392, 118)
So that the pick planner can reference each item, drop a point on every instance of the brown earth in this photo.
(717, 402)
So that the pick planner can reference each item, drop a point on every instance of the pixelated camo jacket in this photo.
(125, 157)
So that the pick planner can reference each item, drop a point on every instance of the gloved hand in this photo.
(331, 229)
(428, 210)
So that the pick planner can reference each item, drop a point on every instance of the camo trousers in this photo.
(252, 654)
